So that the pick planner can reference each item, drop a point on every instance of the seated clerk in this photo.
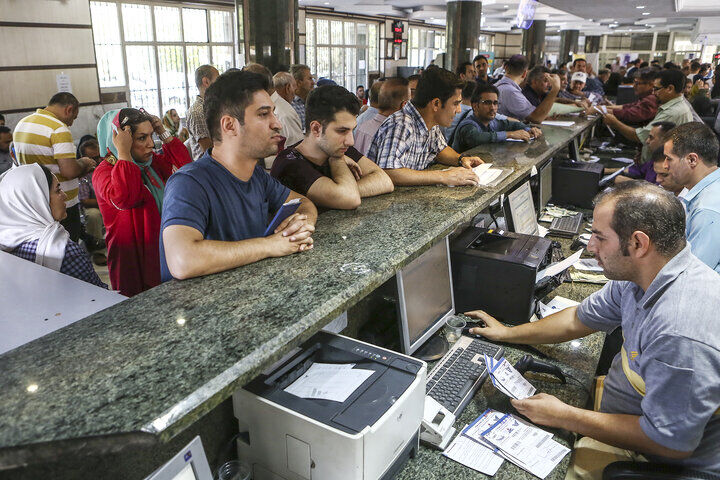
(411, 139)
(661, 395)
(325, 166)
(512, 101)
(482, 126)
(216, 209)
(393, 95)
(691, 157)
(644, 109)
(654, 141)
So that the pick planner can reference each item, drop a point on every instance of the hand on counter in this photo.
(519, 135)
(543, 409)
(536, 132)
(470, 162)
(457, 176)
(293, 235)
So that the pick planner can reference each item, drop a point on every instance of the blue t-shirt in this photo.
(204, 195)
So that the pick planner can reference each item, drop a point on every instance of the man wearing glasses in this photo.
(644, 109)
(668, 88)
(483, 126)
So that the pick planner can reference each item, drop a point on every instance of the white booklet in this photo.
(507, 379)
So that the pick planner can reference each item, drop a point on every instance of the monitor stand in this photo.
(433, 349)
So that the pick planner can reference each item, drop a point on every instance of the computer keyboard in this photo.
(460, 373)
(566, 226)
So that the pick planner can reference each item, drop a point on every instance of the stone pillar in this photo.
(533, 43)
(568, 45)
(462, 32)
(271, 32)
(592, 43)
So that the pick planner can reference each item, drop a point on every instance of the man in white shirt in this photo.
(292, 129)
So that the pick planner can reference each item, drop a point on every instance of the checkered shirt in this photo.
(76, 262)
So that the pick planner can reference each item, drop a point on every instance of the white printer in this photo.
(369, 436)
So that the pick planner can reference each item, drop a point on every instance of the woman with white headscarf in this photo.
(31, 208)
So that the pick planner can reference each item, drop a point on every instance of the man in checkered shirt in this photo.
(411, 139)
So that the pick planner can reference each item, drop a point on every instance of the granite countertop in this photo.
(150, 366)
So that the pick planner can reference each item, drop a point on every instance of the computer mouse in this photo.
(469, 325)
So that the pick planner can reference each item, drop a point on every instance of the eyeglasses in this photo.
(489, 102)
(656, 88)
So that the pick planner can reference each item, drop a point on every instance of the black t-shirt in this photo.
(298, 173)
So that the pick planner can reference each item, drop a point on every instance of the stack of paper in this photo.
(486, 175)
(329, 381)
(558, 123)
(528, 447)
(473, 454)
(558, 267)
(508, 380)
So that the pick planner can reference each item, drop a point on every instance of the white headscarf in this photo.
(25, 215)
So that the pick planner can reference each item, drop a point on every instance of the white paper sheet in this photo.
(588, 265)
(512, 382)
(558, 267)
(558, 123)
(625, 160)
(327, 381)
(555, 305)
(474, 455)
(608, 178)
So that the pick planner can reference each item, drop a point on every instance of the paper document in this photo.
(329, 381)
(558, 267)
(542, 231)
(602, 109)
(482, 423)
(474, 455)
(558, 123)
(587, 277)
(555, 305)
(625, 160)
(513, 140)
(508, 380)
(608, 178)
(588, 265)
(486, 175)
(533, 448)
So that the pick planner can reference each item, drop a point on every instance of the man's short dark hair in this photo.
(298, 70)
(695, 65)
(436, 82)
(261, 70)
(670, 65)
(647, 75)
(64, 99)
(665, 127)
(468, 89)
(603, 71)
(91, 142)
(414, 77)
(323, 103)
(483, 88)
(462, 68)
(516, 65)
(4, 129)
(674, 78)
(230, 95)
(658, 155)
(575, 62)
(375, 91)
(480, 57)
(646, 207)
(643, 64)
(2, 117)
(392, 93)
(537, 73)
(203, 71)
(697, 138)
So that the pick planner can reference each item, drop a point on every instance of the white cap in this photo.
(579, 77)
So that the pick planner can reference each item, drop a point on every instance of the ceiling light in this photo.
(640, 7)
(646, 13)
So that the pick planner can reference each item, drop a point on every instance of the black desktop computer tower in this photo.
(576, 183)
(497, 272)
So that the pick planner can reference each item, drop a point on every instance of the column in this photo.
(533, 43)
(462, 32)
(271, 31)
(592, 43)
(568, 45)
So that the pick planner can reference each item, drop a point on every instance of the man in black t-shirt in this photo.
(324, 166)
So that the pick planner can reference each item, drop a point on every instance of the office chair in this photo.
(654, 471)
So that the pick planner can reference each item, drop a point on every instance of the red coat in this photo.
(132, 219)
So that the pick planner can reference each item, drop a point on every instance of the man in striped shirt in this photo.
(44, 138)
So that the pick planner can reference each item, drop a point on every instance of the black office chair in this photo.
(653, 471)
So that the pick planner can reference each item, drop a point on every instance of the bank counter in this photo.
(119, 392)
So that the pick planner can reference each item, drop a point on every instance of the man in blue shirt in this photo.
(512, 101)
(691, 158)
(216, 210)
(660, 398)
(482, 126)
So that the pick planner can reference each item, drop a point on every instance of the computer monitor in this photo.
(520, 214)
(541, 185)
(190, 463)
(425, 296)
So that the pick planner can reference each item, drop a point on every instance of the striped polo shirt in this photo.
(43, 138)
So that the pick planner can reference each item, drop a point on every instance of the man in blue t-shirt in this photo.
(215, 210)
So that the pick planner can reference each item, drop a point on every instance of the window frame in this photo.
(421, 50)
(154, 44)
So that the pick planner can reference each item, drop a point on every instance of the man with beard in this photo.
(215, 210)
(324, 165)
(660, 398)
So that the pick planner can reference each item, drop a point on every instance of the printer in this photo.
(496, 272)
(369, 436)
(576, 183)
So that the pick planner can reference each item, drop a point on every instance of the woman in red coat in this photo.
(129, 184)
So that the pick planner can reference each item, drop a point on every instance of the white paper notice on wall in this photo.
(63, 82)
(361, 64)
